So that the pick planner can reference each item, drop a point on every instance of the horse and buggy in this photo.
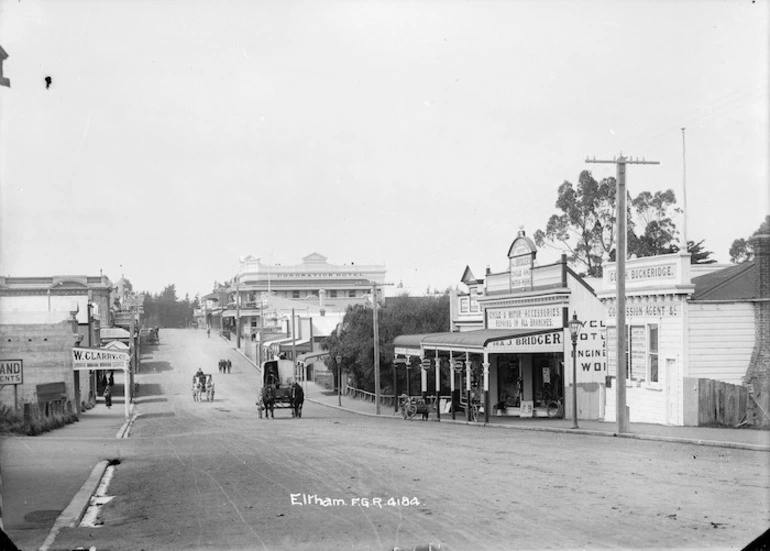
(280, 389)
(203, 385)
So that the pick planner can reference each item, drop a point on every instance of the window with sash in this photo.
(641, 352)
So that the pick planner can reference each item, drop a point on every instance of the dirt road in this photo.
(212, 475)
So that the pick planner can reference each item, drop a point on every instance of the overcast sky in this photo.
(178, 136)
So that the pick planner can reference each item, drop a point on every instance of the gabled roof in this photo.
(468, 278)
(733, 283)
(314, 258)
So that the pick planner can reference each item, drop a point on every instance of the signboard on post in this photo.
(99, 358)
(11, 372)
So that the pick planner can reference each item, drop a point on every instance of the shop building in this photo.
(41, 318)
(36, 362)
(697, 337)
(511, 347)
(260, 292)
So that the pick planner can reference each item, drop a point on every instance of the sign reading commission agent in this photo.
(11, 372)
(547, 342)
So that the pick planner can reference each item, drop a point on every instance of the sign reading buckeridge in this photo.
(11, 372)
(528, 317)
(654, 273)
(98, 358)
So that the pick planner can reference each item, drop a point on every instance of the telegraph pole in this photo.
(376, 348)
(683, 244)
(620, 273)
(238, 311)
(376, 354)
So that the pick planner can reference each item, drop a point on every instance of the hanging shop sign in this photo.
(527, 317)
(545, 342)
(458, 365)
(11, 372)
(98, 358)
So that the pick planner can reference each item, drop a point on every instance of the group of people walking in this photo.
(225, 366)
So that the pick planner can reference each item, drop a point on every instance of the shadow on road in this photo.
(158, 415)
(157, 366)
(149, 389)
(149, 400)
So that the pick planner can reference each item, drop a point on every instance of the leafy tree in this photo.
(741, 250)
(166, 310)
(402, 315)
(698, 255)
(586, 227)
(653, 213)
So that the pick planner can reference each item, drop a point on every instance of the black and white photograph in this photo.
(388, 275)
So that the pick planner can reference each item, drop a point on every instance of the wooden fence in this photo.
(714, 403)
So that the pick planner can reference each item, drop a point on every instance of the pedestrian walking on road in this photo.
(111, 380)
(108, 396)
(229, 366)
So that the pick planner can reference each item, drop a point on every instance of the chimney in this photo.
(758, 373)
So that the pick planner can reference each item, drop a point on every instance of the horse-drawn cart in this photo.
(277, 379)
(203, 385)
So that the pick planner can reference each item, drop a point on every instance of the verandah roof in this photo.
(463, 341)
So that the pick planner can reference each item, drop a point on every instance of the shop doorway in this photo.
(548, 382)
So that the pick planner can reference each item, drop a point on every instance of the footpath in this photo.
(745, 439)
(48, 480)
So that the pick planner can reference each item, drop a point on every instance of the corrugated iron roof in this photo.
(733, 283)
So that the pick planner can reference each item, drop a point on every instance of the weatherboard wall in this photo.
(721, 340)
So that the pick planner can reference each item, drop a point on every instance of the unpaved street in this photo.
(215, 476)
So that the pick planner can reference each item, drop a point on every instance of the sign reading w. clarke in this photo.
(99, 358)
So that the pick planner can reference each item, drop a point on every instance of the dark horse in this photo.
(297, 396)
(268, 400)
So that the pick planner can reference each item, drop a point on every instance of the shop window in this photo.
(295, 294)
(332, 294)
(641, 352)
(352, 294)
(653, 354)
(637, 339)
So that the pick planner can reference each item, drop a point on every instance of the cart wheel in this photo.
(554, 409)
